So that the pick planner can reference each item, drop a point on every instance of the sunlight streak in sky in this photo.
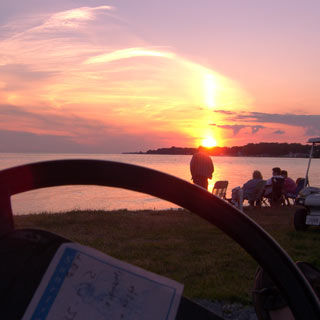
(63, 67)
(128, 53)
(209, 90)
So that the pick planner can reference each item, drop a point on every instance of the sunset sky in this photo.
(99, 76)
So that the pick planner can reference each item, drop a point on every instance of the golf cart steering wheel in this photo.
(271, 257)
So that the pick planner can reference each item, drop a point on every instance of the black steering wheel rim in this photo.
(274, 260)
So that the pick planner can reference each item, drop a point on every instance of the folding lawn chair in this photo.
(293, 196)
(220, 189)
(275, 197)
(254, 198)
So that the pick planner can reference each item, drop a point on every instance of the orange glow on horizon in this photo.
(121, 90)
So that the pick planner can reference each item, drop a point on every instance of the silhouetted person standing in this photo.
(201, 167)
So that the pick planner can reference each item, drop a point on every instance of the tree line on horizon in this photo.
(263, 149)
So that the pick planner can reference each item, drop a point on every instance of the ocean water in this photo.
(236, 170)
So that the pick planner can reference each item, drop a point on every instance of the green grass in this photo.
(180, 245)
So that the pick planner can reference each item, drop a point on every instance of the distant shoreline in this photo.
(219, 155)
(263, 149)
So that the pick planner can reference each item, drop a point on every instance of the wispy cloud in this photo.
(128, 53)
(17, 76)
(226, 112)
(310, 123)
(20, 141)
(83, 74)
(237, 128)
(279, 132)
(69, 19)
(74, 65)
(255, 129)
(58, 131)
(72, 18)
(51, 122)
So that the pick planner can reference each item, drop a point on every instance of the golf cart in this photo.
(28, 256)
(308, 198)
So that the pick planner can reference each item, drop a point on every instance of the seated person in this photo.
(289, 186)
(249, 189)
(276, 179)
(299, 186)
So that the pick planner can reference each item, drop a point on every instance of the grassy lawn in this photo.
(180, 245)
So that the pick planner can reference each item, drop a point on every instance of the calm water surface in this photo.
(236, 170)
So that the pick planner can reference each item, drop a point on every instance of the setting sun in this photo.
(209, 142)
